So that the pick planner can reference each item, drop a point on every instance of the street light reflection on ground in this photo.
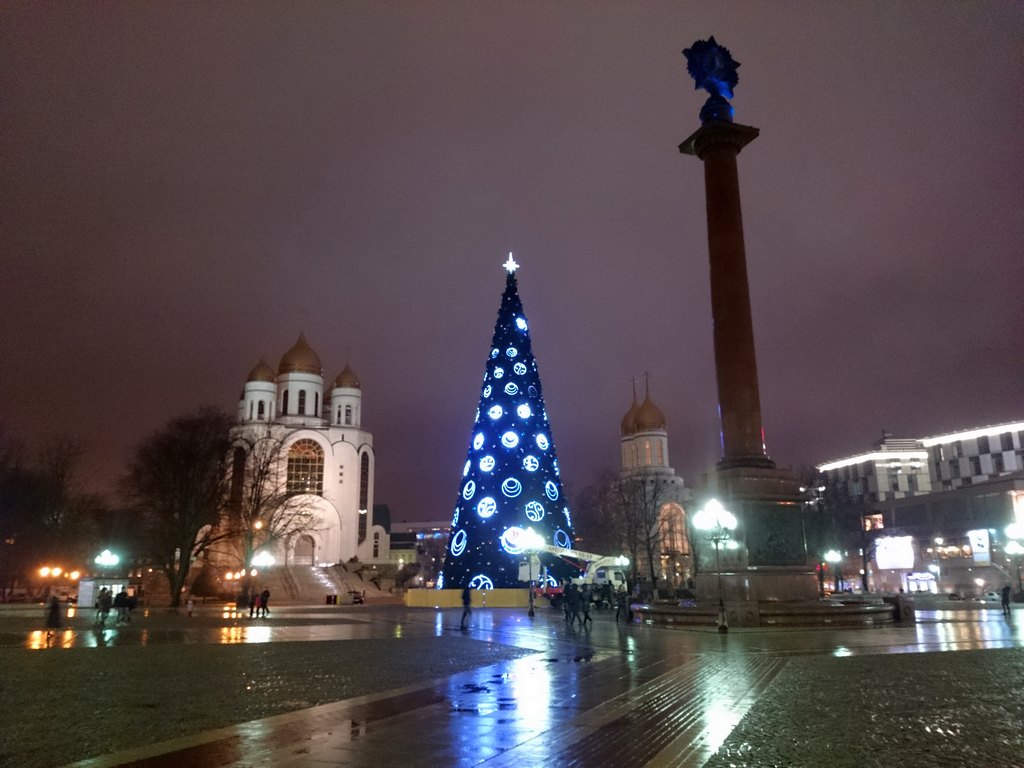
(717, 523)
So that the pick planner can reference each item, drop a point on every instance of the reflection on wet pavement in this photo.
(616, 696)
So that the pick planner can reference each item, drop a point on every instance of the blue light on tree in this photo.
(512, 466)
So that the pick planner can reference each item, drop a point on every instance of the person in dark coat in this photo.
(121, 605)
(575, 603)
(467, 599)
(1004, 597)
(264, 602)
(53, 618)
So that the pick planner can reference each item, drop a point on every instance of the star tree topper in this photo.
(510, 264)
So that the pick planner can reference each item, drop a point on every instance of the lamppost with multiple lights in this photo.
(717, 523)
(833, 558)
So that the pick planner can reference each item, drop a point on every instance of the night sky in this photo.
(185, 187)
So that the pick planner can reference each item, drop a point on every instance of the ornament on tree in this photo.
(510, 495)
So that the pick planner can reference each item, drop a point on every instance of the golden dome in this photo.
(300, 359)
(262, 372)
(648, 416)
(347, 378)
(629, 420)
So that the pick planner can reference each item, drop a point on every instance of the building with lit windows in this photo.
(960, 459)
(930, 514)
(896, 468)
(326, 455)
(643, 438)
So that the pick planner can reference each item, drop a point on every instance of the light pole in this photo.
(717, 523)
(1014, 548)
(532, 543)
(832, 558)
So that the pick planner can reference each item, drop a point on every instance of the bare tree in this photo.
(177, 484)
(595, 518)
(44, 516)
(639, 498)
(262, 511)
(623, 511)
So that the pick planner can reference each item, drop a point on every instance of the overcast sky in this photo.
(187, 186)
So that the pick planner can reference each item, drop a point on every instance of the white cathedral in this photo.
(326, 455)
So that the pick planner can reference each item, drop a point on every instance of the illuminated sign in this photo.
(895, 552)
(979, 546)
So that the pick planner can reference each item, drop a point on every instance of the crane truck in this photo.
(605, 573)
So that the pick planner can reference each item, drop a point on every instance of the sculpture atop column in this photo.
(712, 68)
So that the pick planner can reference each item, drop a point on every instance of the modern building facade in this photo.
(930, 514)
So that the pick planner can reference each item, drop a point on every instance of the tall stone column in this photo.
(717, 143)
(769, 562)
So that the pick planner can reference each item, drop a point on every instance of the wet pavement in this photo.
(614, 695)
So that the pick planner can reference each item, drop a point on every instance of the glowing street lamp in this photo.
(832, 558)
(717, 523)
(1015, 549)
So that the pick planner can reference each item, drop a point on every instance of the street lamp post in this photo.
(833, 558)
(717, 523)
(532, 543)
(1014, 548)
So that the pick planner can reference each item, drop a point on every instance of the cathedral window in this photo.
(647, 452)
(260, 410)
(376, 546)
(302, 402)
(348, 415)
(338, 418)
(251, 404)
(364, 480)
(661, 454)
(284, 403)
(316, 403)
(305, 468)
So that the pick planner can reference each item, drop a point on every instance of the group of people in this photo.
(122, 603)
(576, 604)
(258, 604)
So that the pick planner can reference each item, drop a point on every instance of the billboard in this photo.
(979, 546)
(895, 552)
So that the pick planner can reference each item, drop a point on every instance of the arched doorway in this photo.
(304, 551)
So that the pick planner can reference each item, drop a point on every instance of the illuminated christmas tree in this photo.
(510, 496)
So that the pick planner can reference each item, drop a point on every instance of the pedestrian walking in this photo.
(189, 607)
(121, 606)
(252, 604)
(264, 602)
(103, 604)
(575, 604)
(53, 618)
(621, 605)
(1004, 597)
(467, 598)
(585, 599)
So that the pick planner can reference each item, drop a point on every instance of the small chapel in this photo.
(326, 455)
